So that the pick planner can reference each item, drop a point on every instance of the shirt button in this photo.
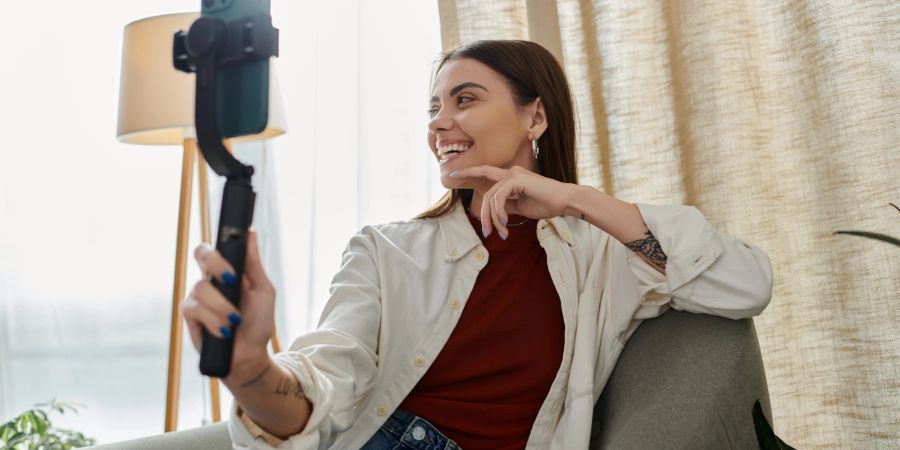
(420, 361)
(452, 252)
(454, 304)
(381, 411)
(479, 255)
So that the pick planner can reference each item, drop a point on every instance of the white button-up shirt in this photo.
(402, 287)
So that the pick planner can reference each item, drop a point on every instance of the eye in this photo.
(434, 109)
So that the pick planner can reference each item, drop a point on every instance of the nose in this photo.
(439, 123)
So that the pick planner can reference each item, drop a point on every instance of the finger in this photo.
(206, 294)
(213, 263)
(485, 214)
(489, 198)
(495, 217)
(253, 267)
(197, 313)
(193, 325)
(502, 200)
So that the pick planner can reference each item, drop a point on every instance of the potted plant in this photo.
(32, 430)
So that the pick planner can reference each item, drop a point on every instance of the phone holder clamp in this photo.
(210, 44)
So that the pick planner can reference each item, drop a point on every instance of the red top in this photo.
(488, 382)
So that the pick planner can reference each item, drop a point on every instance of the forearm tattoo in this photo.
(289, 387)
(650, 248)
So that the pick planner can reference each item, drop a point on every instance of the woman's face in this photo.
(473, 108)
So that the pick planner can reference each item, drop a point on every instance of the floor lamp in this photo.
(156, 107)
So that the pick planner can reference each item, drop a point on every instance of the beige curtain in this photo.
(779, 120)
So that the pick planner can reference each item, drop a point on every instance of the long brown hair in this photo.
(530, 71)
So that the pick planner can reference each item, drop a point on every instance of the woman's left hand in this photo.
(517, 191)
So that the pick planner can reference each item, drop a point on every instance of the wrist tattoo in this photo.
(289, 387)
(650, 248)
(257, 378)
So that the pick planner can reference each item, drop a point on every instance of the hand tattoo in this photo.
(650, 248)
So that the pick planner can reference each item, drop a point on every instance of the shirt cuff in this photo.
(691, 245)
(256, 431)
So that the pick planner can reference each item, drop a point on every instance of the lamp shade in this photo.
(156, 101)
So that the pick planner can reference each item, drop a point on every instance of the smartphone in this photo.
(242, 92)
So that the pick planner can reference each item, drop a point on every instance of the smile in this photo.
(451, 152)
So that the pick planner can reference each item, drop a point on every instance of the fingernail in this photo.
(453, 174)
(228, 278)
(502, 235)
(226, 332)
(234, 318)
(502, 222)
(484, 232)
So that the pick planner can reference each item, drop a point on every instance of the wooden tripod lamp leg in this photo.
(173, 382)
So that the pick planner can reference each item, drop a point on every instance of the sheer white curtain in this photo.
(87, 225)
(354, 77)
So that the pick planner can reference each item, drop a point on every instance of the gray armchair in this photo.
(684, 381)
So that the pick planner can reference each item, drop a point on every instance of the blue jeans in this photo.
(407, 431)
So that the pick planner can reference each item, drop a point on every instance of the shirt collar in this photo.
(459, 238)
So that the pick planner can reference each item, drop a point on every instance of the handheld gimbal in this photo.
(209, 45)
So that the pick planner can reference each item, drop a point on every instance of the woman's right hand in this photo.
(206, 307)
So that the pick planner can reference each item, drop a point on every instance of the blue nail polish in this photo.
(453, 174)
(226, 332)
(484, 232)
(234, 318)
(502, 235)
(502, 222)
(228, 278)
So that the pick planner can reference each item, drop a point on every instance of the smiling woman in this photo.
(434, 332)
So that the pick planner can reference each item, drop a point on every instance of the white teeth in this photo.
(457, 147)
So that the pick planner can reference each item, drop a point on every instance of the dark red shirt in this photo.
(490, 379)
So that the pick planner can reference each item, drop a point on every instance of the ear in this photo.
(537, 118)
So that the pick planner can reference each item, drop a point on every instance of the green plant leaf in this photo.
(877, 236)
(7, 430)
(41, 426)
(17, 439)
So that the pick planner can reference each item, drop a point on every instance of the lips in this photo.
(450, 157)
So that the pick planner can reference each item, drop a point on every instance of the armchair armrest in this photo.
(684, 381)
(208, 437)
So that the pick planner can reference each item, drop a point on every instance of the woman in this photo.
(494, 319)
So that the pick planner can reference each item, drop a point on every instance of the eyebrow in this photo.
(460, 87)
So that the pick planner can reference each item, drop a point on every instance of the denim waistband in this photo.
(405, 430)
